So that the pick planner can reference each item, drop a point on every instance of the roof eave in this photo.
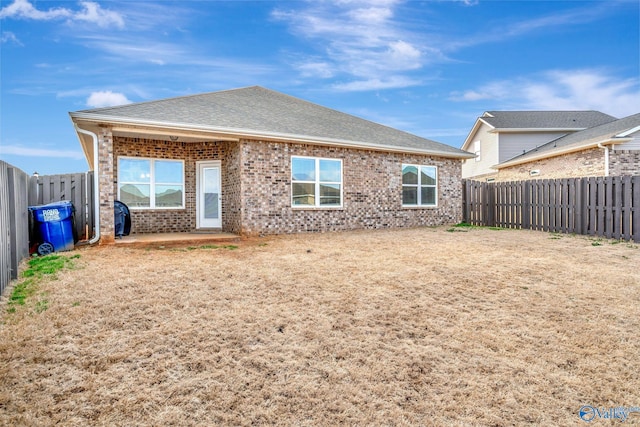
(235, 134)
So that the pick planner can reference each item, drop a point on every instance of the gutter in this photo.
(96, 184)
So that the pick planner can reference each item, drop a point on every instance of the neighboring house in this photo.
(611, 149)
(254, 161)
(498, 136)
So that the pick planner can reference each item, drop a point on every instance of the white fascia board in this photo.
(473, 132)
(628, 132)
(553, 153)
(236, 134)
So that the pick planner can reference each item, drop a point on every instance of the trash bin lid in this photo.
(56, 211)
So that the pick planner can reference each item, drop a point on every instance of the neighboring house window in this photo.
(151, 183)
(476, 150)
(316, 182)
(419, 185)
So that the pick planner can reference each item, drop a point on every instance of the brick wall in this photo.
(573, 165)
(232, 190)
(106, 179)
(174, 220)
(372, 191)
(256, 188)
(624, 162)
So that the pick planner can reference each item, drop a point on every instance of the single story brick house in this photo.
(254, 161)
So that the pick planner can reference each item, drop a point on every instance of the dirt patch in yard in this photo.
(424, 326)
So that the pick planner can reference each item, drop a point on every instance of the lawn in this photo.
(430, 326)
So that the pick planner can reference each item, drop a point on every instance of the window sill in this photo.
(156, 209)
(317, 208)
(419, 206)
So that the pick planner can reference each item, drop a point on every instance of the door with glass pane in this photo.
(208, 189)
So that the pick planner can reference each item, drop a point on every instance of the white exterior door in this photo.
(208, 193)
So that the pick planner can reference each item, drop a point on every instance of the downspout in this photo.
(606, 158)
(96, 184)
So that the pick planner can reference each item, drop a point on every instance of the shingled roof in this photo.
(608, 133)
(565, 120)
(259, 112)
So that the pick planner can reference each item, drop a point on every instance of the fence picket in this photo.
(608, 207)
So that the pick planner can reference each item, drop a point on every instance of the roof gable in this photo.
(261, 111)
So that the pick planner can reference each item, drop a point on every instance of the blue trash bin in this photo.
(53, 227)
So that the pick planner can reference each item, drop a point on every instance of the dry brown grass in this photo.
(418, 326)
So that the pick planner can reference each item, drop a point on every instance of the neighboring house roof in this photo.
(262, 113)
(538, 121)
(544, 120)
(615, 132)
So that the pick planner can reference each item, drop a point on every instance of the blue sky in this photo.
(426, 67)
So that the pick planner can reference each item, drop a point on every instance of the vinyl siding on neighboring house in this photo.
(488, 153)
(513, 144)
(631, 145)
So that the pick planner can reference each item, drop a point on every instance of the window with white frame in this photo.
(151, 183)
(419, 185)
(316, 182)
(476, 150)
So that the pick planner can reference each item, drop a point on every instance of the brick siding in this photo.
(256, 188)
(105, 182)
(573, 165)
(624, 162)
(372, 191)
(173, 220)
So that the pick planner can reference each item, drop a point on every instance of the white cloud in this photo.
(91, 12)
(389, 82)
(561, 90)
(137, 49)
(312, 68)
(18, 150)
(360, 40)
(106, 99)
(8, 36)
(24, 9)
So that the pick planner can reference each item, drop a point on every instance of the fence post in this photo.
(491, 204)
(635, 224)
(578, 210)
(526, 204)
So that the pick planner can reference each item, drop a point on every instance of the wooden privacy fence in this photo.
(76, 188)
(14, 222)
(602, 206)
(18, 191)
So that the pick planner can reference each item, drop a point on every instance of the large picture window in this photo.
(151, 183)
(419, 185)
(316, 182)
